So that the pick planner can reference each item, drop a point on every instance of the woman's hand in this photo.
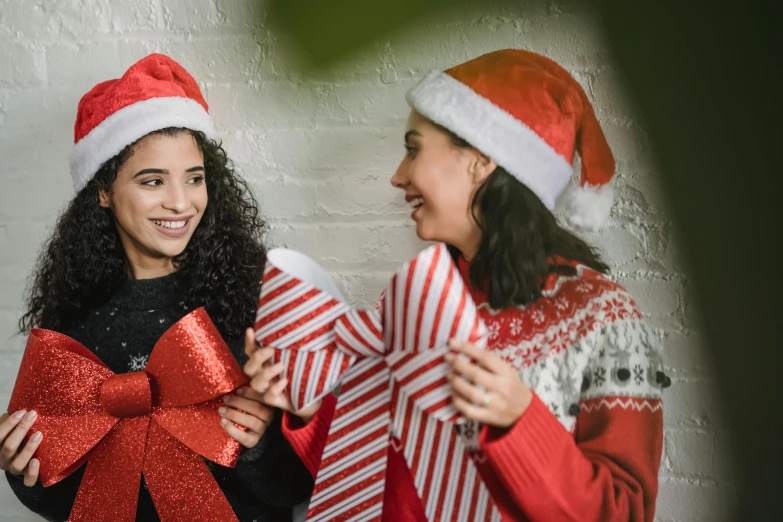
(485, 387)
(265, 384)
(16, 460)
(248, 413)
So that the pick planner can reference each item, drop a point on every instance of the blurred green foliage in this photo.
(326, 31)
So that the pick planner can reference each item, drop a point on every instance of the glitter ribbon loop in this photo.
(391, 369)
(159, 422)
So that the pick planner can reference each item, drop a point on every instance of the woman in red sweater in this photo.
(564, 407)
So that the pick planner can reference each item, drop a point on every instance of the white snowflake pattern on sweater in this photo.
(137, 362)
(582, 346)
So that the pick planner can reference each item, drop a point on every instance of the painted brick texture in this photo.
(319, 151)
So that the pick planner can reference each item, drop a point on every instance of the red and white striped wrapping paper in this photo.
(392, 375)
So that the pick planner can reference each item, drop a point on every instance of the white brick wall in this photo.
(319, 151)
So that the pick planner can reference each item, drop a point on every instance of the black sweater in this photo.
(268, 480)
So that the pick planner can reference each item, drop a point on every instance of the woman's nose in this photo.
(176, 199)
(400, 178)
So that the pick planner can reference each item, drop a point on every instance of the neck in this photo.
(146, 268)
(140, 265)
(469, 245)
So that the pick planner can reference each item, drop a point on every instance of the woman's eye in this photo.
(196, 180)
(153, 182)
(411, 151)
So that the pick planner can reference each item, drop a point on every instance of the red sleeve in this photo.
(308, 440)
(608, 472)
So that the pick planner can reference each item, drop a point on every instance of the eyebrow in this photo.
(197, 168)
(412, 132)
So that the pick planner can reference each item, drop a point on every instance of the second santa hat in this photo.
(530, 116)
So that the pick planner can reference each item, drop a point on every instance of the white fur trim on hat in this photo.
(505, 139)
(587, 206)
(130, 124)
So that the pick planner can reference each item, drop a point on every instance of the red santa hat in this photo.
(155, 93)
(530, 116)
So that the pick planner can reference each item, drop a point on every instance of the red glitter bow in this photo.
(392, 372)
(160, 422)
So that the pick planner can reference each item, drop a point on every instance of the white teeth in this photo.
(416, 203)
(170, 224)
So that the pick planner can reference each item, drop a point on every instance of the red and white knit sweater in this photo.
(589, 446)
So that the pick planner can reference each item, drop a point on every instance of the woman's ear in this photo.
(483, 166)
(104, 198)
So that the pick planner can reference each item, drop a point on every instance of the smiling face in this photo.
(158, 199)
(440, 179)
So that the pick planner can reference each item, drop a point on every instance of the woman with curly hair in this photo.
(160, 225)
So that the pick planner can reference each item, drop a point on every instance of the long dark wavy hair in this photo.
(221, 268)
(519, 241)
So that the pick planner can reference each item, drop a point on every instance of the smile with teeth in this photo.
(171, 224)
(416, 203)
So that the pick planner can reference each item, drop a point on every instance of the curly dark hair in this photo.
(221, 268)
(520, 237)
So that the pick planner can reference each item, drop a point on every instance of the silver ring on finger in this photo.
(485, 400)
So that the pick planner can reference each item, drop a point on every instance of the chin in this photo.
(172, 250)
(426, 233)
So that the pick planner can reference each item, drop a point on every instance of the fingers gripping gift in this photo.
(392, 374)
